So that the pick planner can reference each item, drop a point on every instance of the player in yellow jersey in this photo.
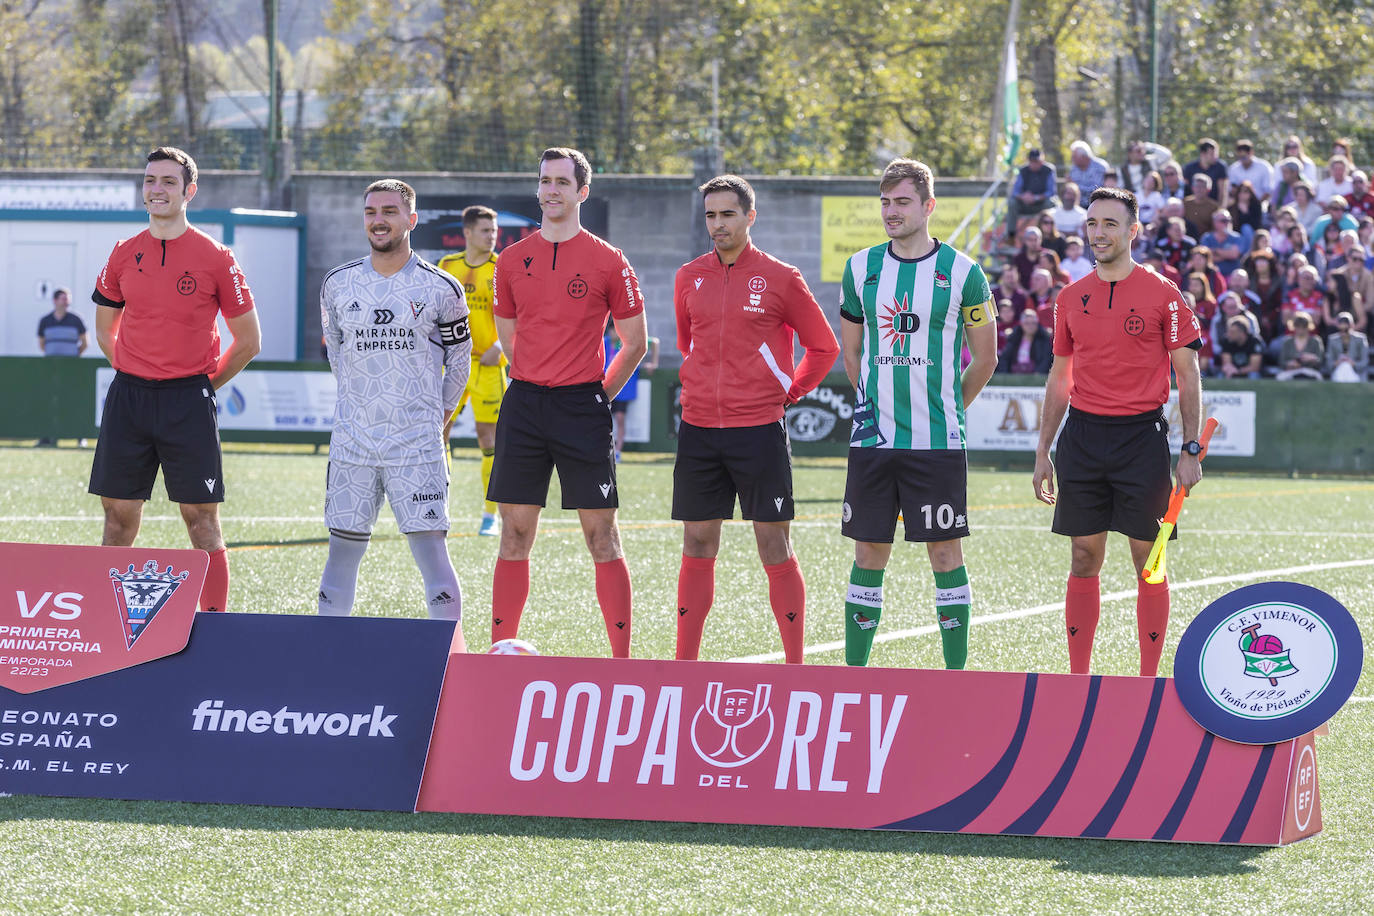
(474, 267)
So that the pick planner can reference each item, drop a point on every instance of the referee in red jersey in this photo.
(554, 291)
(738, 311)
(1117, 333)
(157, 300)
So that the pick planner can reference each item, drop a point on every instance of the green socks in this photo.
(863, 608)
(952, 600)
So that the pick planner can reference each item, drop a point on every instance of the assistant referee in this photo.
(158, 298)
(1117, 333)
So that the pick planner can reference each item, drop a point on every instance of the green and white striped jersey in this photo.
(914, 314)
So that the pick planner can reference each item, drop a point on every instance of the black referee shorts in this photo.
(1112, 474)
(541, 428)
(149, 424)
(713, 465)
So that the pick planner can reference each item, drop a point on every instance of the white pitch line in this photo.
(1059, 605)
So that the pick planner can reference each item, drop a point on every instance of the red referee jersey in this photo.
(170, 292)
(560, 294)
(1120, 335)
(734, 328)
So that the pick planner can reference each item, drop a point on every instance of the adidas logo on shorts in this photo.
(431, 515)
(442, 598)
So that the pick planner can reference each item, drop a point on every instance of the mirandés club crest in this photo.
(140, 595)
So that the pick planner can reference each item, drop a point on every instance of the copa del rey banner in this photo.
(68, 613)
(950, 751)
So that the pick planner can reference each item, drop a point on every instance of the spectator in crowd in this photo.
(1049, 260)
(1343, 146)
(1287, 175)
(1111, 178)
(1307, 298)
(1176, 243)
(1150, 198)
(1141, 159)
(1247, 207)
(1349, 240)
(1249, 167)
(1360, 198)
(1209, 163)
(61, 332)
(1353, 285)
(1075, 264)
(1028, 255)
(1325, 247)
(1229, 306)
(1085, 169)
(1154, 259)
(1029, 349)
(1293, 147)
(1285, 218)
(1032, 191)
(1228, 246)
(1301, 353)
(1204, 349)
(1006, 321)
(1174, 187)
(1238, 285)
(1009, 287)
(1337, 213)
(1337, 180)
(1204, 300)
(1069, 215)
(1200, 261)
(1240, 353)
(1365, 235)
(1199, 206)
(1297, 241)
(1042, 295)
(1347, 351)
(1049, 234)
(1306, 207)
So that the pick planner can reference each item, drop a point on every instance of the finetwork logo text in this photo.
(212, 716)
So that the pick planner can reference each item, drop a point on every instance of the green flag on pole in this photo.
(1011, 106)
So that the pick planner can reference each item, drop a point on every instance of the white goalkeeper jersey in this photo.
(400, 350)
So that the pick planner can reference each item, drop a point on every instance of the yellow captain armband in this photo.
(975, 316)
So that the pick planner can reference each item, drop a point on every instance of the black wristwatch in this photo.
(1192, 447)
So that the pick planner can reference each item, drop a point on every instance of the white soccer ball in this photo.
(512, 647)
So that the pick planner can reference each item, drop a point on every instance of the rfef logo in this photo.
(1268, 662)
(730, 728)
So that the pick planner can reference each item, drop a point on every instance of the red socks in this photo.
(787, 595)
(696, 590)
(1152, 619)
(510, 586)
(1082, 607)
(613, 593)
(214, 595)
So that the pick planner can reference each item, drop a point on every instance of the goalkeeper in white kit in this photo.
(396, 330)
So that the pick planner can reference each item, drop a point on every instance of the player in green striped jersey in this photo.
(909, 306)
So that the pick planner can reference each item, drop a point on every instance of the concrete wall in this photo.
(653, 219)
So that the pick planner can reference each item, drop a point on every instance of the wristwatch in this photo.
(1192, 447)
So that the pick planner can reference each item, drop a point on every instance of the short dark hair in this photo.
(582, 169)
(396, 185)
(1122, 196)
(477, 212)
(189, 172)
(1205, 144)
(742, 190)
(1245, 145)
(61, 291)
(898, 170)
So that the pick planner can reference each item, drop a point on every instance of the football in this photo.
(512, 647)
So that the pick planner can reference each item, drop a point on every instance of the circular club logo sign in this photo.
(1268, 662)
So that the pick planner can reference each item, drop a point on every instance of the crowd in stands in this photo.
(1275, 259)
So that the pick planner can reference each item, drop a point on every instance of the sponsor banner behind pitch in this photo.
(262, 399)
(1008, 419)
(1045, 755)
(259, 709)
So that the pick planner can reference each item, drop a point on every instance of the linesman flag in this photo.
(1011, 106)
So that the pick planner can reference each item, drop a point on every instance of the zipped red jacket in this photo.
(735, 328)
